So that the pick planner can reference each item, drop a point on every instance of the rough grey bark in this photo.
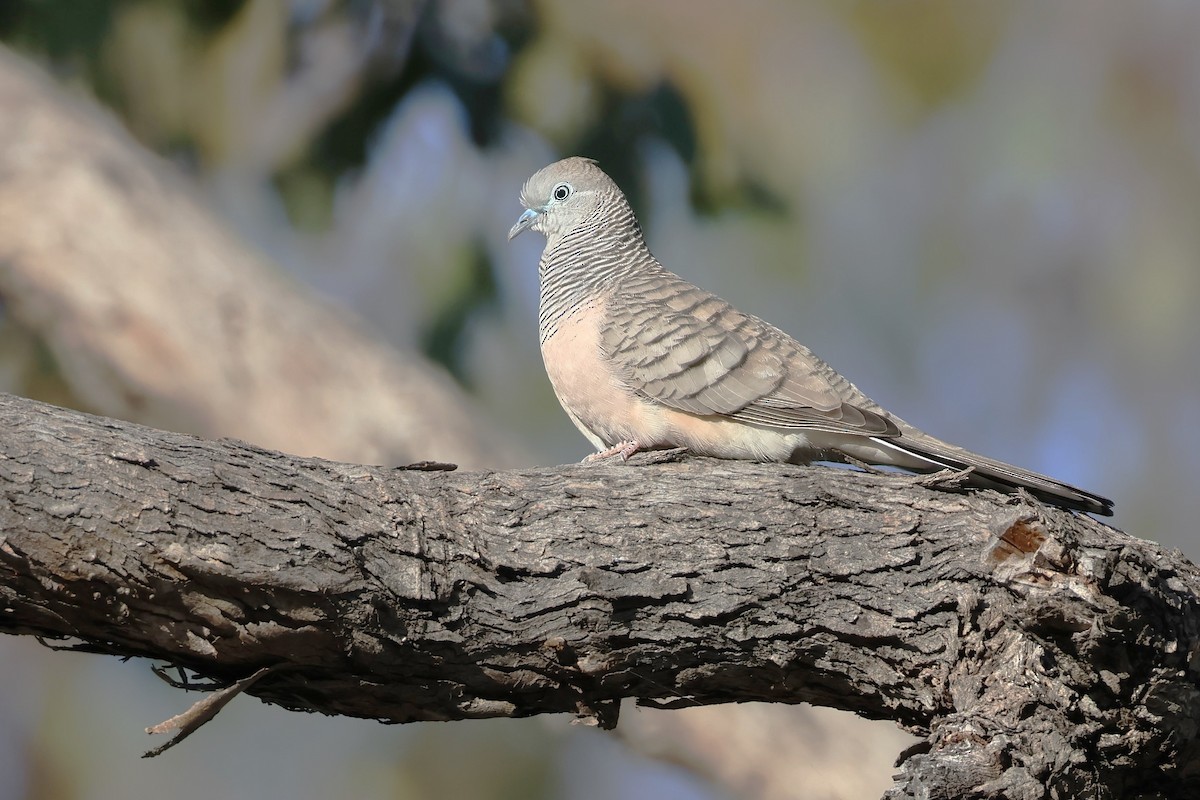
(1042, 654)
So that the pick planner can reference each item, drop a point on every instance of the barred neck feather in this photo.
(590, 259)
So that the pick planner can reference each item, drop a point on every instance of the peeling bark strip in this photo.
(1043, 654)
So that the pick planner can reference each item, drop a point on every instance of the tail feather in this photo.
(993, 474)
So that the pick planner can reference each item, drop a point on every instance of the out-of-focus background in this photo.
(985, 214)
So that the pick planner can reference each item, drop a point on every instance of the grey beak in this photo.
(523, 222)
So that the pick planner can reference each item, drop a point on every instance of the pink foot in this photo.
(622, 449)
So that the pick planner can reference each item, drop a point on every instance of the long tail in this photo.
(991, 473)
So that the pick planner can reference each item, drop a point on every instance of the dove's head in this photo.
(564, 195)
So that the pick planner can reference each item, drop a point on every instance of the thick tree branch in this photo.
(1042, 653)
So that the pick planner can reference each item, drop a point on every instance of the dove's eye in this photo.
(562, 191)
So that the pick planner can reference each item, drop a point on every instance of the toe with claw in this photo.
(622, 449)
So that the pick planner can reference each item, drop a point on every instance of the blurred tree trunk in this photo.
(155, 312)
(1041, 653)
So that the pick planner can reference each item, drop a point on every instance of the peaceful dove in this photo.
(641, 359)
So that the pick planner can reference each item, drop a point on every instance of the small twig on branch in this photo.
(203, 710)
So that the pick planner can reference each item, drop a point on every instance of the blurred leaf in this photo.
(65, 32)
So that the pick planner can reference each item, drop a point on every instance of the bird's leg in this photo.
(622, 449)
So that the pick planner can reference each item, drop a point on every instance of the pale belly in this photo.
(608, 411)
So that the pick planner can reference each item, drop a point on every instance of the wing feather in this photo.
(692, 351)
